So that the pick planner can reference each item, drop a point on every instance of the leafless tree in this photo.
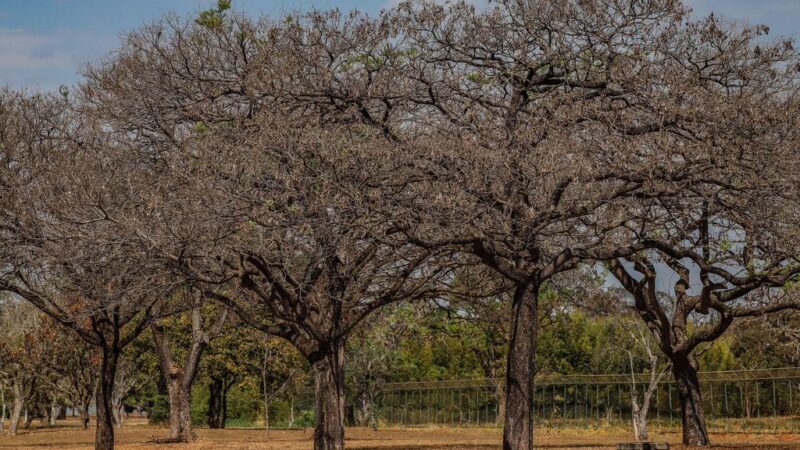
(63, 251)
(310, 261)
(323, 154)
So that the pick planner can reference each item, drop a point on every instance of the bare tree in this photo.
(70, 368)
(312, 261)
(575, 118)
(640, 406)
(66, 255)
(19, 356)
(531, 137)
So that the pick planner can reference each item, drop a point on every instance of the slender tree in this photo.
(180, 376)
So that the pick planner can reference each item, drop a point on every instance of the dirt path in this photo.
(136, 436)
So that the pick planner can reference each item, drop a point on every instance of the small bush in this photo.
(158, 413)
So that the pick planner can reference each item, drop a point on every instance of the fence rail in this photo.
(551, 379)
(743, 395)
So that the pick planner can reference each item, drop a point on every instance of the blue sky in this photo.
(44, 43)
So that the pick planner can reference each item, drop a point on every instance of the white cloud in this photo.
(47, 60)
(21, 50)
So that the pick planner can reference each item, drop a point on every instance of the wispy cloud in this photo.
(30, 59)
(21, 50)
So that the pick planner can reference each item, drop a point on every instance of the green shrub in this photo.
(158, 413)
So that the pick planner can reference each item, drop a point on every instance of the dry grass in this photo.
(137, 434)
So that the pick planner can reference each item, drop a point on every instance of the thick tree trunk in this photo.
(691, 400)
(521, 367)
(16, 408)
(216, 389)
(180, 411)
(179, 379)
(329, 401)
(104, 434)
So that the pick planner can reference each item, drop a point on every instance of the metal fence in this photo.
(744, 397)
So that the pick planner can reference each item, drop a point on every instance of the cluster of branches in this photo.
(306, 172)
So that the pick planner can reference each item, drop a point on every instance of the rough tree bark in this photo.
(104, 434)
(691, 400)
(329, 402)
(180, 418)
(180, 379)
(16, 408)
(178, 388)
(518, 429)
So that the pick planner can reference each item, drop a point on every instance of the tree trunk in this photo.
(226, 387)
(266, 417)
(104, 434)
(691, 400)
(119, 414)
(329, 399)
(216, 392)
(16, 408)
(291, 412)
(179, 379)
(84, 413)
(362, 410)
(180, 410)
(3, 410)
(521, 367)
(500, 398)
(639, 423)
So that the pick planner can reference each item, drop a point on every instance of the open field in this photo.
(137, 436)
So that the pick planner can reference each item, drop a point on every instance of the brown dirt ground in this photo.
(137, 434)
